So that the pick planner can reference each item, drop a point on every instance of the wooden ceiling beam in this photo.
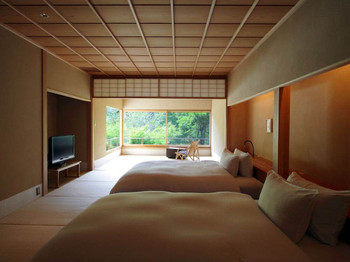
(142, 34)
(251, 9)
(111, 33)
(173, 32)
(204, 34)
(84, 37)
(56, 38)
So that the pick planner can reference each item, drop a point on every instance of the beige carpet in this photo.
(25, 231)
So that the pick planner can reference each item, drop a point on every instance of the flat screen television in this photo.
(61, 149)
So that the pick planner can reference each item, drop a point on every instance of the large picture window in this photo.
(112, 128)
(144, 128)
(184, 127)
(166, 128)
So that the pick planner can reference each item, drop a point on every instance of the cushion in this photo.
(287, 205)
(245, 163)
(330, 211)
(230, 162)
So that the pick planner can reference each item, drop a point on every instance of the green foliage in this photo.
(144, 128)
(188, 126)
(149, 128)
(112, 127)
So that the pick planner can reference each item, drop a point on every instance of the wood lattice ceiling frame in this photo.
(191, 38)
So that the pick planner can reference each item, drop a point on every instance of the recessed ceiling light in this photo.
(44, 15)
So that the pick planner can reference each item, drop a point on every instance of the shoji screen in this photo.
(164, 87)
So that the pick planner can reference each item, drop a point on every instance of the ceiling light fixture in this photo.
(44, 15)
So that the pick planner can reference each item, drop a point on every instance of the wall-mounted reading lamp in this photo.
(249, 141)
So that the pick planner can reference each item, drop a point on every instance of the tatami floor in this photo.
(24, 231)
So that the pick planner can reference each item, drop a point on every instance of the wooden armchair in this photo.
(191, 151)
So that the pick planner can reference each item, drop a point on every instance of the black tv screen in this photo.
(61, 148)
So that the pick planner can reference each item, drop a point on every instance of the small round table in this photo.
(170, 152)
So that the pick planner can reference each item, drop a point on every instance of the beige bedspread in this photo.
(177, 176)
(164, 226)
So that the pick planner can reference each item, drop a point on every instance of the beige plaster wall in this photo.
(314, 38)
(20, 114)
(168, 104)
(99, 124)
(218, 127)
(319, 127)
(67, 80)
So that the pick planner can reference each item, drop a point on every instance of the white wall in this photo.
(218, 132)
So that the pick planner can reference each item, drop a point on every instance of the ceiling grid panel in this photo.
(79, 33)
(147, 38)
(39, 46)
(56, 38)
(204, 34)
(173, 32)
(111, 34)
(142, 34)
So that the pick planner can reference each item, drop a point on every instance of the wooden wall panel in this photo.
(247, 120)
(237, 125)
(281, 131)
(319, 127)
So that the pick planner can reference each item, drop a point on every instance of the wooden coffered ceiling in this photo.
(146, 37)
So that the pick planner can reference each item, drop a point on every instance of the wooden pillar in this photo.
(228, 128)
(44, 120)
(281, 118)
(91, 126)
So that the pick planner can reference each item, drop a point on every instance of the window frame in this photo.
(166, 126)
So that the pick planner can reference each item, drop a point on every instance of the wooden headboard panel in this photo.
(262, 166)
(319, 182)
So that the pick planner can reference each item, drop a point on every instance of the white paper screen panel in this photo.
(172, 87)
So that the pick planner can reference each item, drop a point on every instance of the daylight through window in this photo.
(144, 128)
(112, 128)
(166, 128)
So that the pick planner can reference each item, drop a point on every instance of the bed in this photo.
(166, 226)
(184, 176)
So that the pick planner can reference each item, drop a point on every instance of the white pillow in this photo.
(330, 211)
(287, 205)
(230, 162)
(245, 163)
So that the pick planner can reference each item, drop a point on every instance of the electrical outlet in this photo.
(37, 190)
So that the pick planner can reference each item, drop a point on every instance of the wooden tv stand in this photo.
(65, 167)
